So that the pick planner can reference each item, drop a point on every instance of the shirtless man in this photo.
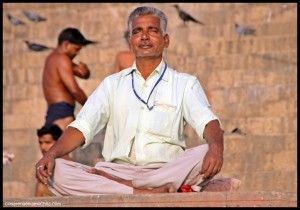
(59, 85)
(125, 58)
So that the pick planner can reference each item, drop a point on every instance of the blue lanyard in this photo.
(146, 103)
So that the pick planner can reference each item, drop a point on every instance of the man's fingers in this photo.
(205, 166)
(50, 167)
(213, 170)
(41, 170)
(208, 172)
(220, 166)
(41, 174)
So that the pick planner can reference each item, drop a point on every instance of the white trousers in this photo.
(71, 178)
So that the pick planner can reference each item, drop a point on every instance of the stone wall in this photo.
(250, 80)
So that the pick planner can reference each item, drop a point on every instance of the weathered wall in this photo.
(251, 80)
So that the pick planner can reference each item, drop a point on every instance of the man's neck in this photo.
(146, 66)
(60, 50)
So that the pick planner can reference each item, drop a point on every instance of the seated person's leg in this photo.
(71, 178)
(177, 171)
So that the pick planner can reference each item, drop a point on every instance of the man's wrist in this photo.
(51, 154)
(216, 147)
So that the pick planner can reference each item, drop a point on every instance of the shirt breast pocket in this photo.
(161, 120)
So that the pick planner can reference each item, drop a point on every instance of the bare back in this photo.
(53, 86)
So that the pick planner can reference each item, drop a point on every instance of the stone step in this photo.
(203, 199)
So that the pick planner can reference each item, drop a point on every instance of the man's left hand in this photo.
(212, 162)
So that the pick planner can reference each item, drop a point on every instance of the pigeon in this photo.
(238, 131)
(13, 20)
(33, 16)
(244, 31)
(36, 47)
(185, 16)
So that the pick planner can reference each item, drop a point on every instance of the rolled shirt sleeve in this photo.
(196, 108)
(94, 115)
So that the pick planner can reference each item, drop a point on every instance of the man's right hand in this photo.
(81, 70)
(44, 168)
(69, 140)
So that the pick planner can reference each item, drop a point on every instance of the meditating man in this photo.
(144, 109)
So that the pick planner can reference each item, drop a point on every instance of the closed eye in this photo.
(136, 31)
(154, 30)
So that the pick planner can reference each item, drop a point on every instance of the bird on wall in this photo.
(14, 21)
(36, 47)
(238, 131)
(185, 16)
(33, 16)
(243, 30)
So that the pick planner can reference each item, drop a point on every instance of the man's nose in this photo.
(145, 35)
(43, 147)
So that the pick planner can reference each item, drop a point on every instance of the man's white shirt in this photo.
(134, 134)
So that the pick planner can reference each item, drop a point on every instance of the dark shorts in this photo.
(58, 111)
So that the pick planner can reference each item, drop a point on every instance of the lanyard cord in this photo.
(146, 103)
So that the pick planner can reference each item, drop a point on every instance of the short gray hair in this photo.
(144, 10)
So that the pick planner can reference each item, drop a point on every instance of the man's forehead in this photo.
(145, 19)
(46, 137)
(77, 46)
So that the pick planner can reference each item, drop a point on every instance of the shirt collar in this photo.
(159, 69)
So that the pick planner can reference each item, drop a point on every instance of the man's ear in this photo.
(166, 40)
(65, 44)
(129, 44)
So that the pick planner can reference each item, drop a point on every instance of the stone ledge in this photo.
(203, 199)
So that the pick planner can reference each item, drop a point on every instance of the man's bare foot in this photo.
(222, 184)
(167, 188)
(102, 173)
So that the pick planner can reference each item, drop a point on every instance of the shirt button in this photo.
(142, 108)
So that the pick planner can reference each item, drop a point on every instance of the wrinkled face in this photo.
(72, 49)
(46, 142)
(147, 39)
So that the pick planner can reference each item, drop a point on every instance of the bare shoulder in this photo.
(58, 59)
(64, 64)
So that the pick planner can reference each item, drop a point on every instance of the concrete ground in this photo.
(202, 199)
